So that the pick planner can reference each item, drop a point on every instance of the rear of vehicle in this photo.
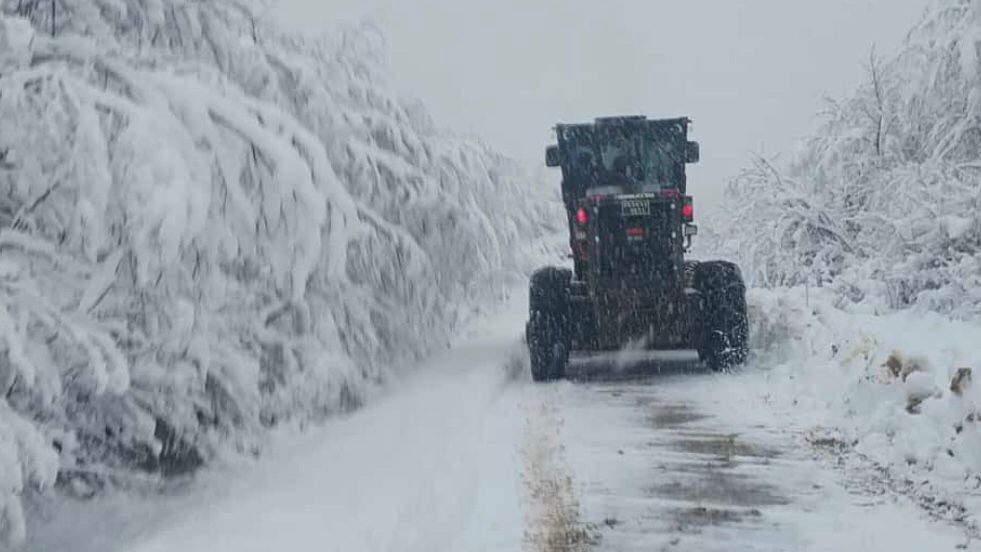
(630, 222)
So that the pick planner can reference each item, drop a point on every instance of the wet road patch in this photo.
(674, 415)
(677, 475)
(722, 446)
(694, 519)
(721, 487)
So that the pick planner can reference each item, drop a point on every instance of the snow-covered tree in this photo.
(884, 201)
(208, 226)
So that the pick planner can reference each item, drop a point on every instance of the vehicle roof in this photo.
(627, 119)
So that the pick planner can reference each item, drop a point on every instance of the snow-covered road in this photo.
(468, 455)
(678, 460)
(431, 467)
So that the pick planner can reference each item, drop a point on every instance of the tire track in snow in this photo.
(553, 520)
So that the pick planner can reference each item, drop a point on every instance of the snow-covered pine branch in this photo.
(884, 202)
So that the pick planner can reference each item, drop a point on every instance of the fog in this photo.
(752, 74)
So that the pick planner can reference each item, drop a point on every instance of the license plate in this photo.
(635, 208)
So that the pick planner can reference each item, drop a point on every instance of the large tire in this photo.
(725, 326)
(548, 332)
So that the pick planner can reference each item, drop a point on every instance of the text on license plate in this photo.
(635, 208)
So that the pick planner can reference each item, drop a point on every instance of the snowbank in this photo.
(210, 227)
(897, 387)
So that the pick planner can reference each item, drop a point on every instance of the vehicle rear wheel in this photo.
(725, 326)
(548, 332)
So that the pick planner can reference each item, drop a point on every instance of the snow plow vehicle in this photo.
(631, 223)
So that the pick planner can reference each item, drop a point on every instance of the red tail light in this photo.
(635, 232)
(581, 216)
(688, 210)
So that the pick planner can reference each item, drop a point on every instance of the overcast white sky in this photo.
(751, 73)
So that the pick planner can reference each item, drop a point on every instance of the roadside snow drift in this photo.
(209, 227)
(896, 388)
